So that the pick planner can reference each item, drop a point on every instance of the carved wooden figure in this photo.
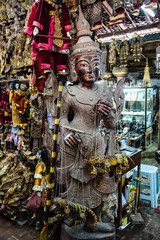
(83, 106)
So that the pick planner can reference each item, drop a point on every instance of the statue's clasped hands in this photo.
(103, 107)
(71, 139)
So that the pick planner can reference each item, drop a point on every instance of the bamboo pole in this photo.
(43, 235)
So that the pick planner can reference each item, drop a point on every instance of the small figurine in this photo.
(74, 211)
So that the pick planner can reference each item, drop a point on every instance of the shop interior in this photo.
(79, 119)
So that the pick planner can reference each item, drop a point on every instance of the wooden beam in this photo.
(128, 15)
(106, 28)
(107, 8)
(132, 30)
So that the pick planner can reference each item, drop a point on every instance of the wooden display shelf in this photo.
(135, 155)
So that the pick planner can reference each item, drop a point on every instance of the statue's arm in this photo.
(69, 136)
(110, 120)
(107, 113)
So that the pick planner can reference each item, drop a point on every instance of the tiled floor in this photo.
(11, 231)
(148, 231)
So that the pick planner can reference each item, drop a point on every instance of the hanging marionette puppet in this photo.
(49, 18)
(136, 47)
(22, 104)
(123, 52)
(113, 48)
(35, 200)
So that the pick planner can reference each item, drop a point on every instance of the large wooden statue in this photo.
(83, 106)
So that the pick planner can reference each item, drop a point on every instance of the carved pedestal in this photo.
(77, 232)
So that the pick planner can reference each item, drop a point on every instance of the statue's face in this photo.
(88, 68)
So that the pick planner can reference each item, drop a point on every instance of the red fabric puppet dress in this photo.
(51, 22)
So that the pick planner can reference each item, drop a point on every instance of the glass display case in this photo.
(138, 107)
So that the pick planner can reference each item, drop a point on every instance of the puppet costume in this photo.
(6, 107)
(47, 18)
(22, 104)
(136, 47)
(34, 202)
(36, 121)
(5, 112)
(123, 52)
(112, 53)
(15, 117)
(16, 184)
(40, 170)
(29, 27)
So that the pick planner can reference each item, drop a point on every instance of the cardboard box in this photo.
(130, 193)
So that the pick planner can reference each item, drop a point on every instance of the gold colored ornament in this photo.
(57, 33)
(146, 78)
(52, 2)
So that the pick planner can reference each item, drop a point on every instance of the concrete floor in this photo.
(148, 231)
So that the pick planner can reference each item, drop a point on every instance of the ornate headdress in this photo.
(84, 45)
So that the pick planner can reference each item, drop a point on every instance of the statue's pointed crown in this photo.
(84, 45)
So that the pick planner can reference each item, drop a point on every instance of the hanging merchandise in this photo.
(36, 122)
(49, 19)
(18, 61)
(113, 50)
(117, 5)
(74, 16)
(5, 111)
(136, 7)
(38, 197)
(16, 183)
(13, 93)
(93, 13)
(146, 78)
(13, 48)
(123, 52)
(151, 4)
(118, 13)
(128, 4)
(3, 13)
(6, 51)
(22, 103)
(136, 47)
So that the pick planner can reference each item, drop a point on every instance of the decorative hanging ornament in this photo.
(146, 78)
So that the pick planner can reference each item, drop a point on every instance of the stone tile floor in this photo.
(9, 230)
